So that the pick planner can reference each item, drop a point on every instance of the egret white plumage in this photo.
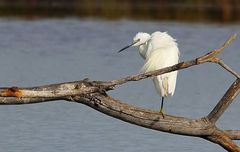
(159, 50)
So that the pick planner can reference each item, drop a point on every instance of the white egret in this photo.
(159, 50)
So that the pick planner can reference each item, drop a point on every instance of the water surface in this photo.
(51, 51)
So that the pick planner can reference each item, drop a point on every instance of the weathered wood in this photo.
(50, 91)
(233, 134)
(93, 94)
(226, 100)
(16, 100)
(219, 137)
(146, 118)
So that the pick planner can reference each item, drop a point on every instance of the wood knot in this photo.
(12, 92)
(77, 86)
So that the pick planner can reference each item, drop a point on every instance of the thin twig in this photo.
(226, 67)
(207, 57)
(227, 43)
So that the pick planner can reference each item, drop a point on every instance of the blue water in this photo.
(51, 51)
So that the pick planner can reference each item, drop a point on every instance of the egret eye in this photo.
(138, 40)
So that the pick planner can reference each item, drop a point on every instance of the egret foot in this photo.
(162, 112)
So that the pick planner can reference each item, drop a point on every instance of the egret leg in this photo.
(161, 109)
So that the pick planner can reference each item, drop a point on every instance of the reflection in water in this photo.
(197, 10)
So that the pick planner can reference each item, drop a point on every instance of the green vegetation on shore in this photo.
(187, 10)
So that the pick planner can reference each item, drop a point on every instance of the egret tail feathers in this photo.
(165, 86)
(161, 85)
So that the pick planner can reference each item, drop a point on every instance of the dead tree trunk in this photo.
(93, 94)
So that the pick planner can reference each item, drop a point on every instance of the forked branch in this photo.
(93, 94)
(226, 100)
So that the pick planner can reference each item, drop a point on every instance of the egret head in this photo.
(139, 39)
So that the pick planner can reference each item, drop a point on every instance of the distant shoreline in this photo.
(196, 11)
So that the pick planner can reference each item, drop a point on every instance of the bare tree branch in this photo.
(50, 91)
(209, 56)
(93, 94)
(16, 100)
(145, 118)
(226, 67)
(219, 137)
(226, 100)
(233, 134)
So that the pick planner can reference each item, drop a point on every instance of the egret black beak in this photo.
(128, 46)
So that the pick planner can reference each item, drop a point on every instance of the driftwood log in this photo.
(93, 94)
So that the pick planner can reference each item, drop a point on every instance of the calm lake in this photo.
(52, 51)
